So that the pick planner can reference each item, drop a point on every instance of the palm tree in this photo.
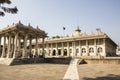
(7, 9)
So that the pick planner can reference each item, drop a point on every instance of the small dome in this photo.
(91, 34)
(77, 32)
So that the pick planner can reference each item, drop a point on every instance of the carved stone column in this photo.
(87, 48)
(9, 47)
(47, 49)
(62, 53)
(104, 46)
(51, 52)
(43, 47)
(56, 49)
(68, 49)
(19, 43)
(95, 50)
(36, 50)
(0, 47)
(3, 50)
(25, 47)
(80, 50)
(15, 48)
(74, 49)
(30, 49)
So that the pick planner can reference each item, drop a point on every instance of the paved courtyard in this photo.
(33, 72)
(57, 72)
(99, 71)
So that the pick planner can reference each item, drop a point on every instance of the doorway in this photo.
(54, 52)
(59, 51)
(65, 52)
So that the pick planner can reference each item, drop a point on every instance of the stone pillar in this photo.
(80, 50)
(43, 53)
(87, 48)
(51, 50)
(9, 47)
(3, 50)
(62, 53)
(36, 49)
(19, 44)
(74, 49)
(95, 50)
(12, 47)
(68, 50)
(15, 48)
(104, 48)
(47, 49)
(30, 46)
(25, 46)
(56, 49)
(0, 47)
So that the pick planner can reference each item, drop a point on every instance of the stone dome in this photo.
(77, 32)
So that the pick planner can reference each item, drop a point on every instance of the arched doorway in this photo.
(54, 52)
(99, 51)
(65, 52)
(83, 51)
(59, 51)
(91, 51)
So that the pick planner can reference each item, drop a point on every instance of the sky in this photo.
(53, 15)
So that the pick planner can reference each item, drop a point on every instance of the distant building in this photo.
(79, 45)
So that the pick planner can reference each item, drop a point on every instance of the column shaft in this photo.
(80, 50)
(87, 48)
(25, 47)
(30, 49)
(36, 50)
(51, 50)
(56, 49)
(95, 50)
(68, 50)
(9, 46)
(62, 53)
(43, 43)
(104, 47)
(3, 50)
(0, 48)
(15, 48)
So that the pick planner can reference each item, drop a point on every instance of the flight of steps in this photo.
(6, 61)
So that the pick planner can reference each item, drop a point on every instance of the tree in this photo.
(6, 9)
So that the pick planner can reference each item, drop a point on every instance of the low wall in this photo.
(58, 60)
(108, 60)
(19, 61)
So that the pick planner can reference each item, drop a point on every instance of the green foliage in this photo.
(6, 9)
(55, 37)
(5, 1)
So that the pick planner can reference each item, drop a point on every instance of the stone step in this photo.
(6, 61)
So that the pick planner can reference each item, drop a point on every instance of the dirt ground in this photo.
(33, 72)
(99, 71)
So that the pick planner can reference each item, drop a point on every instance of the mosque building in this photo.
(23, 42)
(78, 45)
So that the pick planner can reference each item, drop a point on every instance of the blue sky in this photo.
(52, 15)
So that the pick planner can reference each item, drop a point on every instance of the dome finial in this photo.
(19, 22)
(78, 29)
(29, 25)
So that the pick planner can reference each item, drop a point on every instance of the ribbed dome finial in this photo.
(78, 29)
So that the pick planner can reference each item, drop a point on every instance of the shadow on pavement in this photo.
(108, 77)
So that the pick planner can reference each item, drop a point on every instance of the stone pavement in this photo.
(72, 73)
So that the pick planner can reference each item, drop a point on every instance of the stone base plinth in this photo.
(6, 61)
